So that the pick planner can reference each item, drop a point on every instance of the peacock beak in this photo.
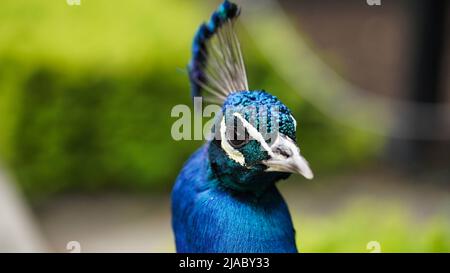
(285, 157)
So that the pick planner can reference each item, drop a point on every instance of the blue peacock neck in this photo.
(247, 207)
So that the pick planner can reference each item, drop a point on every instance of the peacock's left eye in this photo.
(238, 135)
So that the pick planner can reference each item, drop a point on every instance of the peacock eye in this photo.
(237, 143)
(238, 136)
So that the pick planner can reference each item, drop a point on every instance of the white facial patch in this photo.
(229, 150)
(288, 158)
(253, 133)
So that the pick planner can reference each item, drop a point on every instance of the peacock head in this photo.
(255, 142)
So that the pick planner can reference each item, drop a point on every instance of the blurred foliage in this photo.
(86, 93)
(392, 224)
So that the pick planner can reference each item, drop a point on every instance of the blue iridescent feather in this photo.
(220, 206)
(210, 218)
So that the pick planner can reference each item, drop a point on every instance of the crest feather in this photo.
(217, 67)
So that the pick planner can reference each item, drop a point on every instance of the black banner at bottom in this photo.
(223, 262)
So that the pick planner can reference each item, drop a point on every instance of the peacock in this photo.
(225, 199)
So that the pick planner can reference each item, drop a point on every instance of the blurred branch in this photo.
(314, 80)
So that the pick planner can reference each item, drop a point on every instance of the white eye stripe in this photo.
(234, 154)
(254, 133)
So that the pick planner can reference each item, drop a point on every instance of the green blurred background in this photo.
(85, 99)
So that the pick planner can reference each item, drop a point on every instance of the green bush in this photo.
(86, 94)
(394, 225)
